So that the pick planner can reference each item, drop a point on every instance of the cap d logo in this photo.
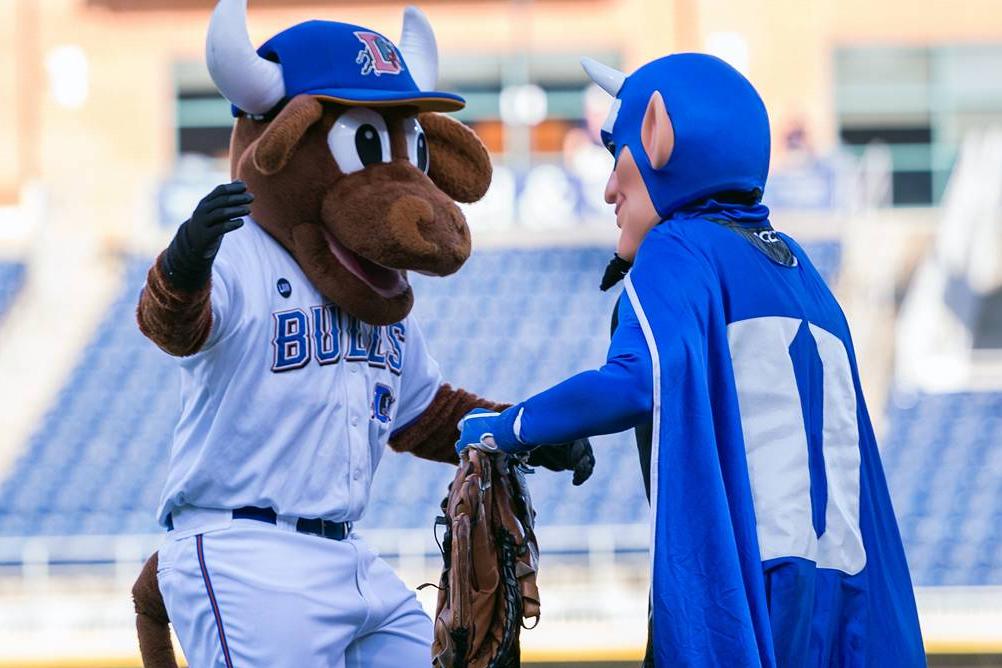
(378, 55)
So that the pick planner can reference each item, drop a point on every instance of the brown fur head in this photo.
(356, 220)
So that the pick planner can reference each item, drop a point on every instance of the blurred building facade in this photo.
(106, 95)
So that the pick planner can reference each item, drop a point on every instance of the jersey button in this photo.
(354, 421)
(357, 474)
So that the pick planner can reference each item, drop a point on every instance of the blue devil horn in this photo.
(608, 79)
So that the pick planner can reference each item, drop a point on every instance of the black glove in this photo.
(574, 456)
(614, 272)
(187, 264)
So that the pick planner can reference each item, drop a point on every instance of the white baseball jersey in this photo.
(290, 403)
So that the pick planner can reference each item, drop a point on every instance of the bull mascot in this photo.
(299, 359)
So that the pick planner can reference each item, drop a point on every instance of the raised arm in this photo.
(175, 310)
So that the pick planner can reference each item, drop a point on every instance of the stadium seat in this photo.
(511, 323)
(944, 470)
(12, 275)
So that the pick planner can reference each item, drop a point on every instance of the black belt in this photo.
(313, 526)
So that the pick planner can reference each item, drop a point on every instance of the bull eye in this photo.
(422, 153)
(358, 139)
(367, 143)
(417, 144)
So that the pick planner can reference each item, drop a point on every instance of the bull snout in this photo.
(398, 218)
(435, 235)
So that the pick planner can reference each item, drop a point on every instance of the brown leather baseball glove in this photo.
(488, 583)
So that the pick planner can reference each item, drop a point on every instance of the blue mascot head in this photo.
(719, 124)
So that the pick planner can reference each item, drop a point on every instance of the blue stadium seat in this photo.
(826, 257)
(511, 323)
(12, 275)
(943, 462)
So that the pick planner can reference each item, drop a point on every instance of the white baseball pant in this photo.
(243, 593)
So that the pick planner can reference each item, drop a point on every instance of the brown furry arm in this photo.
(433, 435)
(178, 322)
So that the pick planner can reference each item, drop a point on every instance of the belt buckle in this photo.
(324, 528)
(336, 530)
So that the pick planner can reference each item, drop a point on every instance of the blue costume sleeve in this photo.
(611, 399)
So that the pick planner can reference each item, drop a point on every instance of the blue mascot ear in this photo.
(657, 133)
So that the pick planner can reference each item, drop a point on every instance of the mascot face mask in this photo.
(351, 171)
(684, 127)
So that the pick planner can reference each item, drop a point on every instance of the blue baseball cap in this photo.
(350, 65)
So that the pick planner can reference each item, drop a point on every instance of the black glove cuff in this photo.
(184, 268)
(615, 272)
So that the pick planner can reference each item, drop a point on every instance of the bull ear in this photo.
(458, 161)
(657, 134)
(274, 148)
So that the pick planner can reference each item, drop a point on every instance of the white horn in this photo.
(249, 81)
(418, 47)
(608, 79)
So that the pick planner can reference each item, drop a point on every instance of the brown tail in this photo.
(152, 622)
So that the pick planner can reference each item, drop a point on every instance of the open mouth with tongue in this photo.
(385, 282)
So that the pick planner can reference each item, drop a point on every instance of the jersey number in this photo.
(776, 442)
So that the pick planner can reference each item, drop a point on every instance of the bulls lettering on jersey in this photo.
(315, 334)
(292, 397)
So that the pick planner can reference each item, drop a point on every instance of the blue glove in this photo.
(490, 431)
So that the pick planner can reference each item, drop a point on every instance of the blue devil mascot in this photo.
(773, 540)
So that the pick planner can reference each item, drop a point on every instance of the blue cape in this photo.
(773, 540)
(755, 378)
